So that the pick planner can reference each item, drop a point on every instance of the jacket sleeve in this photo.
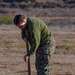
(23, 35)
(35, 42)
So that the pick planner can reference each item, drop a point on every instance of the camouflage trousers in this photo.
(43, 59)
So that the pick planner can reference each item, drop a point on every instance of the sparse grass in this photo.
(6, 19)
(60, 46)
(67, 40)
(69, 47)
(66, 47)
(20, 46)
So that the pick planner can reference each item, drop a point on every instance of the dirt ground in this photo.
(12, 50)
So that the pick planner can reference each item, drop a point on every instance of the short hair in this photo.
(19, 18)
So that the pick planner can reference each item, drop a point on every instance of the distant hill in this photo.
(58, 1)
(38, 4)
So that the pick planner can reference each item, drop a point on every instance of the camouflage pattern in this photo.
(43, 56)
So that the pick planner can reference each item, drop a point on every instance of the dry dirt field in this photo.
(12, 50)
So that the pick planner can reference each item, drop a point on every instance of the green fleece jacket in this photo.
(37, 32)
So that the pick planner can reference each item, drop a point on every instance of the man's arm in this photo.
(26, 57)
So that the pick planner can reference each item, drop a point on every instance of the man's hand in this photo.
(26, 58)
(26, 40)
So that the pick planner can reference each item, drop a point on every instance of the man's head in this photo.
(20, 21)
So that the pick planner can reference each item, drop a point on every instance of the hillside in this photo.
(52, 12)
(40, 5)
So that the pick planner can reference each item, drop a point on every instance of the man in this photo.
(41, 41)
